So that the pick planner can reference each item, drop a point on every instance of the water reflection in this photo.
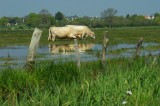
(69, 48)
(88, 52)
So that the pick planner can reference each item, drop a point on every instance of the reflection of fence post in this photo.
(77, 53)
(104, 46)
(32, 48)
(138, 46)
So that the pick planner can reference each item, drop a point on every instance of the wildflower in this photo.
(124, 102)
(129, 92)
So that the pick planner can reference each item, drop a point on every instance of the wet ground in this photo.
(16, 55)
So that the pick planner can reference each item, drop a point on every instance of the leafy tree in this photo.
(14, 20)
(138, 20)
(108, 15)
(157, 15)
(59, 16)
(127, 16)
(32, 20)
(46, 19)
(97, 23)
(157, 20)
(119, 21)
(44, 11)
(3, 21)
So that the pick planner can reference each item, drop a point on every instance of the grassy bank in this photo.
(63, 84)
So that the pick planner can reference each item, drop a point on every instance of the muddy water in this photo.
(88, 52)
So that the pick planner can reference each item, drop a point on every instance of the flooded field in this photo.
(16, 55)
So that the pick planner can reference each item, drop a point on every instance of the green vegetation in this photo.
(52, 84)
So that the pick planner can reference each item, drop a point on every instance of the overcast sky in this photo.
(22, 8)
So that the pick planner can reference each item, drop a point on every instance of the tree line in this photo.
(108, 18)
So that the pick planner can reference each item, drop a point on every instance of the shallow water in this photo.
(88, 52)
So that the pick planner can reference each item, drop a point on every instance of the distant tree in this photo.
(108, 15)
(59, 17)
(157, 15)
(85, 21)
(157, 20)
(120, 21)
(46, 19)
(44, 11)
(32, 20)
(14, 20)
(138, 20)
(3, 21)
(97, 23)
(127, 16)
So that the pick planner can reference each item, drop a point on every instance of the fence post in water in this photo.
(33, 47)
(104, 46)
(138, 46)
(77, 53)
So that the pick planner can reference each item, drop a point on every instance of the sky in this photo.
(21, 8)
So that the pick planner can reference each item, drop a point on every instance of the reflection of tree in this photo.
(68, 48)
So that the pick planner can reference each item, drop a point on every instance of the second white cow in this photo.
(82, 31)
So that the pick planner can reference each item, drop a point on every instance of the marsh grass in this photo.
(64, 84)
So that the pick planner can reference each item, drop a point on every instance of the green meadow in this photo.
(131, 81)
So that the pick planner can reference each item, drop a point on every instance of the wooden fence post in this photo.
(77, 53)
(138, 46)
(104, 46)
(33, 47)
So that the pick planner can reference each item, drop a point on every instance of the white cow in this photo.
(82, 31)
(61, 32)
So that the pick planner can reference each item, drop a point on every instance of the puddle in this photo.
(88, 52)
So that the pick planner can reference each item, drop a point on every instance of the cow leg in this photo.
(83, 35)
(53, 38)
(49, 38)
(50, 35)
(72, 36)
(78, 36)
(86, 35)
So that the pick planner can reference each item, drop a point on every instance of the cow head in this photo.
(92, 34)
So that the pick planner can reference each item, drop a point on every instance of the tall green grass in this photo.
(50, 84)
